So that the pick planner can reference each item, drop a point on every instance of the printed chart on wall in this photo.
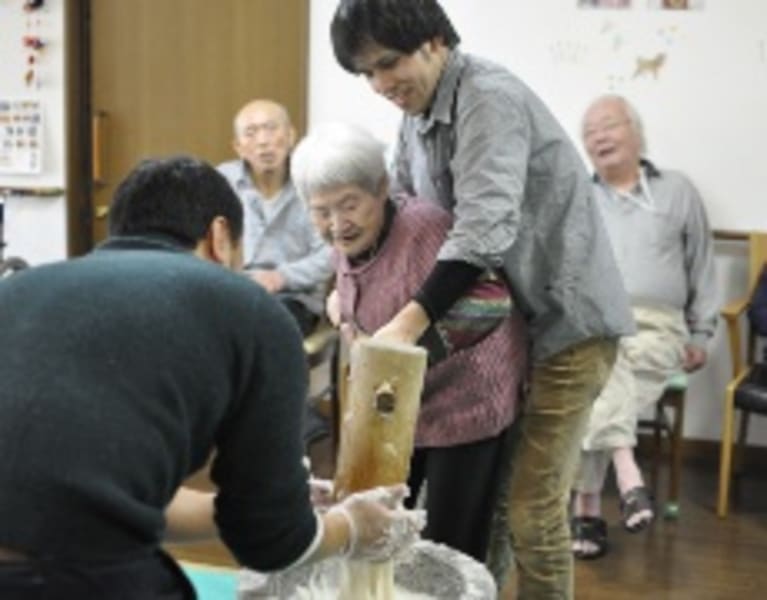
(21, 139)
(32, 91)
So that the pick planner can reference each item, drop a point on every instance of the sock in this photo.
(626, 470)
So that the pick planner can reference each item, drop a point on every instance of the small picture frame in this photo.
(613, 4)
(676, 4)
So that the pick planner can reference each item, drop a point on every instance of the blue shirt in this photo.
(281, 238)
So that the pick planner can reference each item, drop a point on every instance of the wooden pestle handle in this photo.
(378, 415)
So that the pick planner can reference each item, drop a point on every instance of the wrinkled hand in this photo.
(379, 526)
(321, 493)
(320, 490)
(351, 334)
(333, 308)
(406, 327)
(694, 358)
(272, 281)
(392, 332)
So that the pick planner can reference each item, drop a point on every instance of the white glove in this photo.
(379, 526)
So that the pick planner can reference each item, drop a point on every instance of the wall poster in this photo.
(21, 136)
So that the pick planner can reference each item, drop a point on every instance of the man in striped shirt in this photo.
(477, 351)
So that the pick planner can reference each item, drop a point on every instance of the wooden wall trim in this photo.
(705, 453)
(76, 74)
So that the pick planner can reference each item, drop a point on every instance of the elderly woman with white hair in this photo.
(384, 250)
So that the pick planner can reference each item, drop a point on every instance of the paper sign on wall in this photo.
(21, 136)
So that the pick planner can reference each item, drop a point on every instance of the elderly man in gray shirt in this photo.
(662, 242)
(283, 253)
(477, 141)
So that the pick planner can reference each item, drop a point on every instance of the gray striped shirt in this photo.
(491, 152)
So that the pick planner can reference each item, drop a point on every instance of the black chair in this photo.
(320, 348)
(747, 392)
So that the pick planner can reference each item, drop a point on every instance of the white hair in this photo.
(337, 154)
(631, 113)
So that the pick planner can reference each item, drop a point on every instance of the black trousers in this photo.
(462, 488)
(305, 318)
(153, 577)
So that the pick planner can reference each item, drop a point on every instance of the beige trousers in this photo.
(644, 364)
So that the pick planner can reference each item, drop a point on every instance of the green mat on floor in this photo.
(212, 583)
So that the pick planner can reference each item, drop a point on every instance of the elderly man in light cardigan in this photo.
(383, 251)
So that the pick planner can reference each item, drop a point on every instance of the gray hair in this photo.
(337, 154)
(631, 113)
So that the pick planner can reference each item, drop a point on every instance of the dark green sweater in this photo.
(120, 372)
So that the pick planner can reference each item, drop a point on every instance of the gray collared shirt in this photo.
(282, 238)
(491, 152)
(663, 246)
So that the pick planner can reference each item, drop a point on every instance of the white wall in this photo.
(704, 114)
(35, 227)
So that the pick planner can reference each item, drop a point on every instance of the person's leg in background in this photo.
(652, 356)
(588, 528)
(563, 389)
(462, 480)
(611, 425)
(306, 319)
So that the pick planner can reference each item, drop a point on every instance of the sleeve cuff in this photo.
(312, 547)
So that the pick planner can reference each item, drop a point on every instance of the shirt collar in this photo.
(154, 241)
(650, 171)
(441, 109)
(243, 180)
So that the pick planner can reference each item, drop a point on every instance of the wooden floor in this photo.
(697, 557)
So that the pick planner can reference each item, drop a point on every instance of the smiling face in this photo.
(407, 80)
(263, 136)
(611, 139)
(349, 217)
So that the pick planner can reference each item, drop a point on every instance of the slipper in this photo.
(592, 530)
(636, 500)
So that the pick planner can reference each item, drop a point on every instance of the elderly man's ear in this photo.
(219, 246)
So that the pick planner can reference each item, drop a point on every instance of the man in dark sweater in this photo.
(121, 371)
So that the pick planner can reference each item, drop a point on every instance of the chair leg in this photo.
(657, 456)
(740, 448)
(725, 459)
(675, 472)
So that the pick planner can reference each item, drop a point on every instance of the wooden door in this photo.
(167, 77)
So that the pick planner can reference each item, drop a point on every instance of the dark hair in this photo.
(178, 196)
(403, 25)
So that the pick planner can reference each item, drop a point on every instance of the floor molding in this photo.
(706, 452)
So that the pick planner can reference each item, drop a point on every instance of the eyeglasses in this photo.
(608, 127)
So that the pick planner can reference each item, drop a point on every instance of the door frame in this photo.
(77, 127)
(78, 121)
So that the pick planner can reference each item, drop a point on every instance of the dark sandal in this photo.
(592, 530)
(636, 500)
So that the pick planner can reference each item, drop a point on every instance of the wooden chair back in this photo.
(757, 243)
